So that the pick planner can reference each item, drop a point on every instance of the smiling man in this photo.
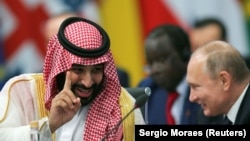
(219, 81)
(78, 96)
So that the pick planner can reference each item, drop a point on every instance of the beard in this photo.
(97, 88)
(96, 91)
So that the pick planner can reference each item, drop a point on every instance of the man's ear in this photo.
(225, 79)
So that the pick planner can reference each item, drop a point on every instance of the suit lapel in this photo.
(243, 115)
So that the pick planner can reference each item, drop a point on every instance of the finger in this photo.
(77, 104)
(68, 99)
(67, 83)
(67, 96)
(62, 104)
(67, 104)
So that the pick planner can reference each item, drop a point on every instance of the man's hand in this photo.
(64, 106)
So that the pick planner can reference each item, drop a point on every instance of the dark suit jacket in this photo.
(155, 107)
(243, 115)
(123, 77)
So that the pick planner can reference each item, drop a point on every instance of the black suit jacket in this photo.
(242, 117)
(123, 77)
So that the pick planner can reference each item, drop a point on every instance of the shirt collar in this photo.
(182, 87)
(235, 108)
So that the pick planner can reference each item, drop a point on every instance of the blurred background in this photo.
(23, 46)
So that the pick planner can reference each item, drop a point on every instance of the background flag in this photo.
(126, 21)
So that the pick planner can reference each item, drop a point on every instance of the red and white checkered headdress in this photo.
(80, 41)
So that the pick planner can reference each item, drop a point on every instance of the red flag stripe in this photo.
(155, 13)
(31, 19)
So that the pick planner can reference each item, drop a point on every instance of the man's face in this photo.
(200, 36)
(203, 90)
(86, 81)
(166, 66)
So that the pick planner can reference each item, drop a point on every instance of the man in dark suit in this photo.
(124, 77)
(167, 51)
(219, 81)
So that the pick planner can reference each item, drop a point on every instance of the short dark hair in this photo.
(178, 37)
(208, 21)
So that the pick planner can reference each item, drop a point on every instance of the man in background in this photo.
(167, 51)
(206, 30)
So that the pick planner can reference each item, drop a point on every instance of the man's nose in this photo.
(87, 80)
(192, 96)
(155, 68)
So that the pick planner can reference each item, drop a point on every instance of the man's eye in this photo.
(77, 70)
(98, 69)
(194, 87)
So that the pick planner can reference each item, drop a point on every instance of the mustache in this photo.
(96, 90)
(82, 86)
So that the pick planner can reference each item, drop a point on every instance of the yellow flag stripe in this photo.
(121, 20)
